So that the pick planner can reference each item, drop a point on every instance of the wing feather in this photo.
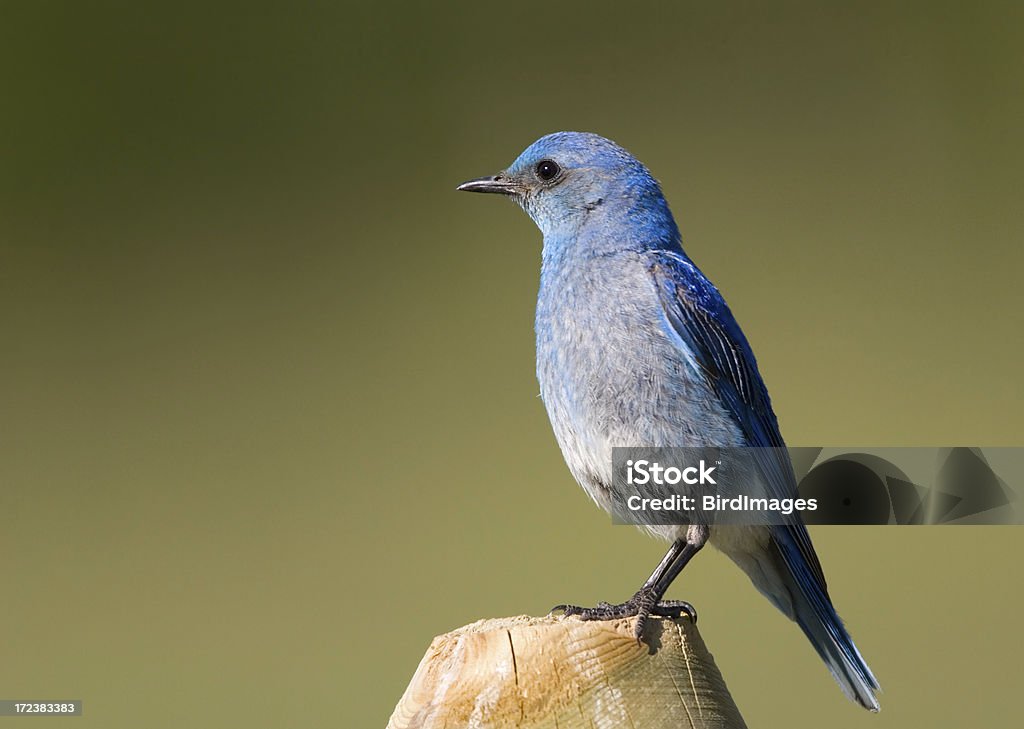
(701, 318)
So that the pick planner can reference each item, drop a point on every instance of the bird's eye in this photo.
(546, 170)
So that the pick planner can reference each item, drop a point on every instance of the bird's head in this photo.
(566, 178)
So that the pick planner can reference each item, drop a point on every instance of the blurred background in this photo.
(270, 420)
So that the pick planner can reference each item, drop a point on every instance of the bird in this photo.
(636, 347)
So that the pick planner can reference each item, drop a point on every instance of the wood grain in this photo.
(565, 673)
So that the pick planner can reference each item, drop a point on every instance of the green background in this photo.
(270, 419)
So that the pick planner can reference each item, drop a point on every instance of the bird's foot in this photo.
(642, 605)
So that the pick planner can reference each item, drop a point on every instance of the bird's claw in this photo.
(642, 605)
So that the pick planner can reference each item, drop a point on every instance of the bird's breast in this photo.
(610, 373)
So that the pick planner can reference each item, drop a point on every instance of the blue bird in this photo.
(636, 347)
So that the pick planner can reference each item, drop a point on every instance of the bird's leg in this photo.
(647, 600)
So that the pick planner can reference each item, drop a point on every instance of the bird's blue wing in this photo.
(698, 314)
(701, 318)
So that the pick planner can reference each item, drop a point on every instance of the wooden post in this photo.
(563, 673)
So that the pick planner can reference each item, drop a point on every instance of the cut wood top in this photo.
(558, 671)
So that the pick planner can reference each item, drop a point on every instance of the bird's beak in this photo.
(496, 183)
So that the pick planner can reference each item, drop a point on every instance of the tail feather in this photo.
(813, 612)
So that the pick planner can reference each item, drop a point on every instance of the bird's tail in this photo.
(813, 612)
